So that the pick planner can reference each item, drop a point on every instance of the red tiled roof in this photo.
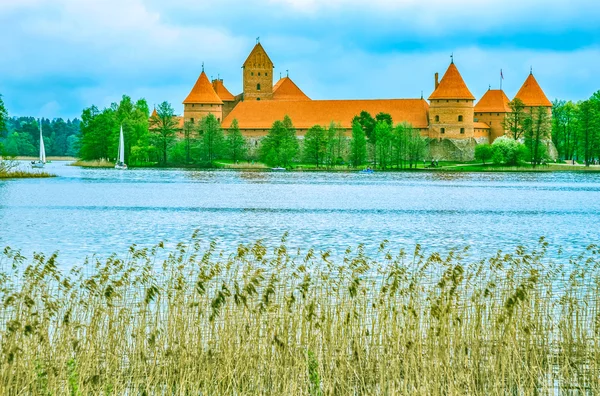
(494, 101)
(305, 114)
(531, 93)
(222, 92)
(203, 92)
(154, 113)
(481, 125)
(286, 89)
(452, 86)
(258, 48)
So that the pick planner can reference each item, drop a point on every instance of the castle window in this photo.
(443, 130)
(498, 114)
(251, 73)
(201, 105)
(192, 120)
(460, 118)
(437, 118)
(259, 74)
(192, 105)
(457, 101)
(257, 98)
(258, 87)
(462, 130)
(266, 74)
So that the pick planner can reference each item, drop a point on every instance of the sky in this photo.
(58, 57)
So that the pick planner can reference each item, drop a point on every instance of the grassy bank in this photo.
(94, 164)
(261, 321)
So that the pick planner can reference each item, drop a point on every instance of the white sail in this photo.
(42, 148)
(121, 148)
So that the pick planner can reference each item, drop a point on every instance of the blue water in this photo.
(94, 211)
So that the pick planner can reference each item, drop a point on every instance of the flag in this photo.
(501, 75)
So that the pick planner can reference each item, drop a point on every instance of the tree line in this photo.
(20, 136)
(576, 129)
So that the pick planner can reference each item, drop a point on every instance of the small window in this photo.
(460, 118)
(457, 101)
(462, 130)
(437, 118)
(498, 114)
(251, 73)
(192, 105)
(258, 87)
(490, 123)
(447, 101)
(266, 74)
(443, 130)
(259, 74)
(218, 119)
(257, 98)
(201, 105)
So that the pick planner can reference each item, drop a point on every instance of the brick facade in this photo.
(451, 119)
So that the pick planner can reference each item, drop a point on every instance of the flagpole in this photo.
(501, 78)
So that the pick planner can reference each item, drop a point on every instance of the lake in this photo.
(100, 211)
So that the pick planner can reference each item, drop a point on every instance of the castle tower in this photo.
(258, 75)
(492, 109)
(451, 107)
(532, 95)
(202, 101)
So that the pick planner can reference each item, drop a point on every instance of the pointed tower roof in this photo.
(531, 93)
(494, 101)
(257, 50)
(286, 90)
(154, 113)
(203, 92)
(221, 91)
(452, 86)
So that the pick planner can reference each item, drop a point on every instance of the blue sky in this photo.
(59, 56)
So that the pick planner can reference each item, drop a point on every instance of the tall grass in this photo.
(275, 321)
(102, 163)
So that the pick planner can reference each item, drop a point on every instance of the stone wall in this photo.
(495, 121)
(258, 73)
(452, 149)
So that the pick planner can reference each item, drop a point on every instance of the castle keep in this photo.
(453, 119)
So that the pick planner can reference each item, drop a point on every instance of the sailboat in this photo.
(42, 161)
(121, 160)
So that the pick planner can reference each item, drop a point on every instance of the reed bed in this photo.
(102, 163)
(198, 321)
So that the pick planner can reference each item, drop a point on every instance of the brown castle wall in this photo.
(495, 121)
(448, 111)
(196, 111)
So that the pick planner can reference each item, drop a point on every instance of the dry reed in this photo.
(273, 321)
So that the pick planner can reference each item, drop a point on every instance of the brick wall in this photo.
(444, 119)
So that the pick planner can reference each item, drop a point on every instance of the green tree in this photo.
(212, 140)
(367, 122)
(515, 121)
(96, 130)
(236, 143)
(537, 134)
(587, 129)
(280, 146)
(358, 145)
(315, 145)
(383, 136)
(564, 127)
(483, 152)
(416, 145)
(3, 117)
(163, 127)
(508, 151)
(188, 128)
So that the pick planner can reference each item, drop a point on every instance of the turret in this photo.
(492, 109)
(532, 95)
(202, 101)
(451, 107)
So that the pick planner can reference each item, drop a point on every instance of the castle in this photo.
(451, 119)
